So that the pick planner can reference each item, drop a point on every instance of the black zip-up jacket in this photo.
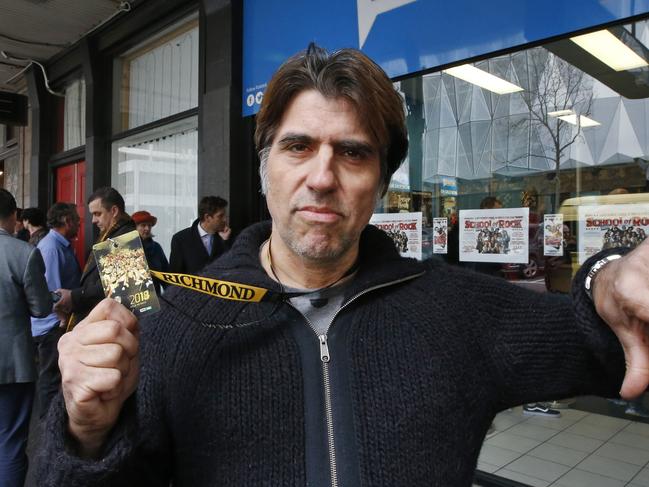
(421, 357)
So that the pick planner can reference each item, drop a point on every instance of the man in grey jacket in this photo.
(23, 293)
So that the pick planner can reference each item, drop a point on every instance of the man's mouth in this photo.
(323, 214)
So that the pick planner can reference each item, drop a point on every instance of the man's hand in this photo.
(621, 297)
(99, 371)
(225, 234)
(64, 305)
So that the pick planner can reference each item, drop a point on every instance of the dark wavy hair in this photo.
(210, 205)
(58, 212)
(35, 216)
(109, 197)
(348, 74)
(7, 204)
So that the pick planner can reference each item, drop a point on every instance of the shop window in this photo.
(74, 115)
(522, 166)
(159, 78)
(157, 171)
(548, 138)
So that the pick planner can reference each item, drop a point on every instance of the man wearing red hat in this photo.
(155, 256)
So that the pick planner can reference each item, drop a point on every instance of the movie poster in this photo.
(404, 229)
(553, 234)
(495, 235)
(609, 226)
(440, 235)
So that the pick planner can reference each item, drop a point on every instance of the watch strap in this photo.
(597, 266)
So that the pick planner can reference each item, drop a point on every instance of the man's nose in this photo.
(322, 174)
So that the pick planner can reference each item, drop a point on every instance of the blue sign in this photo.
(406, 36)
(448, 186)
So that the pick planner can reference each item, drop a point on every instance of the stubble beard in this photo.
(322, 248)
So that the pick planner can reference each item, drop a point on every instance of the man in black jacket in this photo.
(207, 238)
(367, 369)
(107, 209)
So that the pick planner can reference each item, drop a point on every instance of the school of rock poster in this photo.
(609, 226)
(553, 234)
(404, 229)
(495, 235)
(440, 235)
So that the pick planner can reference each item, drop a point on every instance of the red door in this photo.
(70, 184)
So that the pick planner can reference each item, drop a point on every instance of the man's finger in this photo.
(89, 382)
(105, 355)
(109, 309)
(107, 332)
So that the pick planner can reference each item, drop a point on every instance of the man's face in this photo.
(72, 226)
(323, 177)
(102, 217)
(215, 222)
(144, 229)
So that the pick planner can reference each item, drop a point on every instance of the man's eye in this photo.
(298, 148)
(352, 154)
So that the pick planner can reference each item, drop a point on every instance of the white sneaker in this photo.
(539, 409)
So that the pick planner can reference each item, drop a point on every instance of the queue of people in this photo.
(48, 294)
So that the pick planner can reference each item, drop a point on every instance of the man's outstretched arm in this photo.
(621, 298)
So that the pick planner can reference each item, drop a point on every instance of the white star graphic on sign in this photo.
(368, 10)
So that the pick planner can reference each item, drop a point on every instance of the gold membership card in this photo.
(125, 274)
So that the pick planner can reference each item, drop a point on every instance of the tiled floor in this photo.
(579, 449)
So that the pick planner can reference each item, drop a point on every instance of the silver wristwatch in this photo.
(598, 266)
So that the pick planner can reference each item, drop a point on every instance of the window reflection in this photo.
(563, 136)
(558, 171)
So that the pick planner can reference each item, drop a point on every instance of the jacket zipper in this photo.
(325, 358)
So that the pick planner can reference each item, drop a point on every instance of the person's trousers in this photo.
(49, 375)
(15, 410)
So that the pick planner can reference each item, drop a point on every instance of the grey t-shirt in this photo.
(319, 307)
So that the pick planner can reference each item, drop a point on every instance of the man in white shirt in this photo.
(207, 238)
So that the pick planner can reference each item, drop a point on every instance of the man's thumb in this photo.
(636, 377)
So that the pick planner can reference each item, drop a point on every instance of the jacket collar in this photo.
(379, 261)
(118, 227)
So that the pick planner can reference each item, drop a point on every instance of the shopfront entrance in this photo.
(69, 182)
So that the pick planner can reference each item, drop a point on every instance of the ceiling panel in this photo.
(39, 29)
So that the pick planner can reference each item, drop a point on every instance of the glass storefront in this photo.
(155, 165)
(157, 171)
(74, 115)
(158, 78)
(522, 166)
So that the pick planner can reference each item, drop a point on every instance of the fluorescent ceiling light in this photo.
(571, 117)
(583, 121)
(610, 50)
(483, 79)
(560, 113)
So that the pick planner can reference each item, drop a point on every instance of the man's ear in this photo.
(114, 211)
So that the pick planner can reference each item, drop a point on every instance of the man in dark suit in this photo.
(106, 206)
(23, 292)
(204, 241)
